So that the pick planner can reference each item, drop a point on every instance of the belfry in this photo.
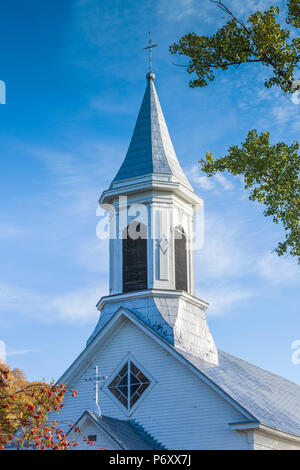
(162, 382)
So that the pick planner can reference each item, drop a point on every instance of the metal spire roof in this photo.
(151, 149)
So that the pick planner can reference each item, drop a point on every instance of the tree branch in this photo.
(224, 65)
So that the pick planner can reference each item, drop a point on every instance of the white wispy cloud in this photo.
(222, 263)
(246, 8)
(8, 231)
(180, 9)
(224, 182)
(21, 352)
(223, 255)
(79, 167)
(76, 176)
(111, 104)
(286, 117)
(93, 254)
(78, 305)
(200, 179)
(209, 11)
(213, 183)
(279, 270)
(223, 298)
(228, 263)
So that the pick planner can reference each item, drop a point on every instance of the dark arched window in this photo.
(180, 260)
(135, 257)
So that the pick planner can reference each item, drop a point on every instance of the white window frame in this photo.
(129, 411)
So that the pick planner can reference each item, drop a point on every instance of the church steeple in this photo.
(151, 150)
(151, 244)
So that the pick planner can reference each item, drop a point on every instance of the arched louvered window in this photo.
(180, 260)
(135, 257)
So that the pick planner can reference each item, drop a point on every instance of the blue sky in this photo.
(75, 77)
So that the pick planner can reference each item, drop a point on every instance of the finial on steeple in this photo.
(150, 75)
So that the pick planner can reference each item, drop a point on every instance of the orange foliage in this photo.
(24, 408)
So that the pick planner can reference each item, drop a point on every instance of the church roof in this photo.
(126, 433)
(261, 396)
(151, 149)
(269, 398)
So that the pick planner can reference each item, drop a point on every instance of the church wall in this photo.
(180, 411)
(263, 441)
(87, 429)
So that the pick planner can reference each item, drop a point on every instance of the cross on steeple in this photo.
(96, 380)
(150, 47)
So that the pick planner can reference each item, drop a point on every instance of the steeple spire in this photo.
(151, 150)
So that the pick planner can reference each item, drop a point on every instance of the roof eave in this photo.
(260, 426)
(161, 182)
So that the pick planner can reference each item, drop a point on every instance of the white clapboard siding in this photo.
(180, 411)
(262, 441)
(87, 429)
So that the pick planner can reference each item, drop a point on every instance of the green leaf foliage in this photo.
(294, 13)
(262, 39)
(270, 172)
(271, 175)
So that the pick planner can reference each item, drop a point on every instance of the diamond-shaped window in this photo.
(129, 385)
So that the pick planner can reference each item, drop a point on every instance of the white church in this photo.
(161, 382)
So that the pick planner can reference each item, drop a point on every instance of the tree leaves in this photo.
(24, 408)
(270, 172)
(294, 13)
(262, 39)
(271, 175)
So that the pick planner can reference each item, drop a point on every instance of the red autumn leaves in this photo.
(24, 413)
(25, 406)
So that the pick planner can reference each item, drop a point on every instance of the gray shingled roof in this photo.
(127, 433)
(151, 149)
(269, 398)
